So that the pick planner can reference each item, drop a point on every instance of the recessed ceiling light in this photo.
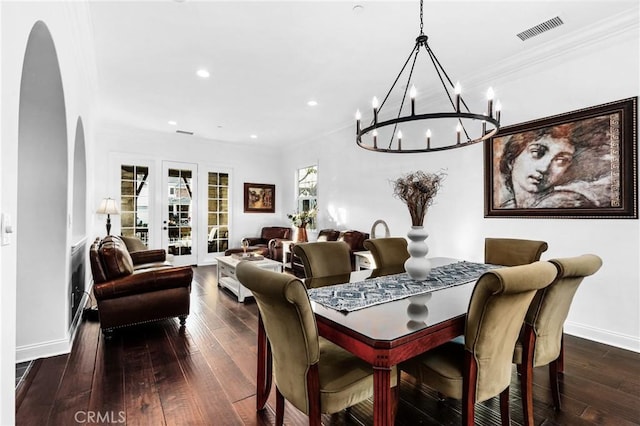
(312, 103)
(203, 73)
(254, 136)
(358, 8)
(172, 123)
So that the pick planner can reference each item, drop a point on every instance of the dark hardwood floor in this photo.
(204, 374)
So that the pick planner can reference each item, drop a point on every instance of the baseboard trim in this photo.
(43, 350)
(623, 341)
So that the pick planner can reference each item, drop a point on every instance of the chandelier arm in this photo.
(435, 60)
(404, 95)
(439, 68)
(413, 51)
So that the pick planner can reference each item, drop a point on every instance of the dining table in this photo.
(384, 335)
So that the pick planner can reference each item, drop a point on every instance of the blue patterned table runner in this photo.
(350, 297)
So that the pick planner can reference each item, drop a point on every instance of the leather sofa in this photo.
(268, 244)
(128, 293)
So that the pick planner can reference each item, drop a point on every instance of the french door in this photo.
(180, 211)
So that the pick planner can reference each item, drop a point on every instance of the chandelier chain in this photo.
(421, 23)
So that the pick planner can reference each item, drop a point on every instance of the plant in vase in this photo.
(418, 190)
(300, 220)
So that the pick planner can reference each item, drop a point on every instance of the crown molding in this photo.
(613, 29)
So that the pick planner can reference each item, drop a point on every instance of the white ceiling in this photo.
(267, 59)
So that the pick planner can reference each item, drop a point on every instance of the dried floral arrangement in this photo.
(303, 218)
(417, 190)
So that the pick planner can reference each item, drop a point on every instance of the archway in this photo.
(41, 222)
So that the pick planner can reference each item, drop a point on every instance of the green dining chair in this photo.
(481, 368)
(512, 251)
(541, 339)
(324, 258)
(310, 372)
(388, 252)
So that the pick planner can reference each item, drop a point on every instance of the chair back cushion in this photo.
(388, 252)
(115, 257)
(496, 312)
(324, 258)
(550, 306)
(512, 252)
(133, 243)
(270, 232)
(290, 326)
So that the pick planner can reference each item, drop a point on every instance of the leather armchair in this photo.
(269, 243)
(126, 296)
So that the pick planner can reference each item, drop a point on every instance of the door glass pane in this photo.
(180, 204)
(218, 209)
(134, 205)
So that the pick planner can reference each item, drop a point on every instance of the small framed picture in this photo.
(580, 164)
(259, 198)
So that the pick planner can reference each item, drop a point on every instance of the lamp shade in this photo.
(108, 206)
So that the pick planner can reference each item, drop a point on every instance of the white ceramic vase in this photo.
(417, 265)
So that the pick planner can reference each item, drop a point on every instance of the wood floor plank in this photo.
(206, 389)
(39, 398)
(238, 386)
(176, 394)
(142, 401)
(107, 391)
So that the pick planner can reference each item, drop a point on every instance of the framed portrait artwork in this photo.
(581, 164)
(259, 198)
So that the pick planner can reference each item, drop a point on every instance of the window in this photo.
(307, 190)
(134, 206)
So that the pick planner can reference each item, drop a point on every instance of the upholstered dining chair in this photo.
(310, 372)
(388, 252)
(541, 338)
(324, 258)
(481, 368)
(512, 251)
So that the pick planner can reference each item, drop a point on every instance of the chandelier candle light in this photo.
(460, 114)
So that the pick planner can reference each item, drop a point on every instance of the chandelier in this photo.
(450, 128)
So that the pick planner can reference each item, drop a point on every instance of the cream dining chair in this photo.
(388, 252)
(541, 339)
(512, 251)
(481, 368)
(310, 372)
(324, 258)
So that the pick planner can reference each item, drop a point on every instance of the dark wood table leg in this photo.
(263, 379)
(382, 396)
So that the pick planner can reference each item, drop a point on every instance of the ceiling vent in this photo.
(184, 132)
(540, 28)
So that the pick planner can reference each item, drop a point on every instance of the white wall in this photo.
(355, 183)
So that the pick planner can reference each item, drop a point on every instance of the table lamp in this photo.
(108, 206)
